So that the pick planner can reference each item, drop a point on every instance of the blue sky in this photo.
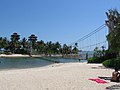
(53, 20)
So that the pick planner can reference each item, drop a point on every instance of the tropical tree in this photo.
(66, 49)
(97, 52)
(76, 45)
(75, 50)
(24, 46)
(113, 19)
(49, 46)
(1, 41)
(5, 43)
(113, 38)
(32, 40)
(56, 48)
(113, 24)
(1, 44)
(24, 43)
(14, 43)
(41, 47)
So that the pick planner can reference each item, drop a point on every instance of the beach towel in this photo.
(98, 80)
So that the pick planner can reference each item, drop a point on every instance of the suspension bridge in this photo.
(96, 38)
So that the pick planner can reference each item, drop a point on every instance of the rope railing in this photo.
(93, 45)
(89, 35)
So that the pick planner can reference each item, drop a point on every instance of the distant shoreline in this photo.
(13, 55)
(42, 55)
(21, 55)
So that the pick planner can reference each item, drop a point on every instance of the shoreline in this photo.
(72, 56)
(13, 55)
(21, 55)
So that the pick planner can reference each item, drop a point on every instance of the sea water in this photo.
(21, 63)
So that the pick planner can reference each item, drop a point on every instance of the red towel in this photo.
(98, 80)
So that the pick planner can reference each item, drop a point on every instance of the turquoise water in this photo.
(21, 63)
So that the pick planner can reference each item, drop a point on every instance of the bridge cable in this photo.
(88, 35)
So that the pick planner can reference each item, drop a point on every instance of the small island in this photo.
(32, 47)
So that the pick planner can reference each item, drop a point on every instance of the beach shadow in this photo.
(113, 87)
(99, 67)
(105, 78)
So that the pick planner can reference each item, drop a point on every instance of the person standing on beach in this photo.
(115, 76)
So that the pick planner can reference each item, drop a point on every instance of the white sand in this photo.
(14, 55)
(21, 55)
(68, 76)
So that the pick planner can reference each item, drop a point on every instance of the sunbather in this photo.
(115, 76)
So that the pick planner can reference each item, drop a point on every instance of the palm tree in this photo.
(75, 50)
(113, 24)
(24, 43)
(32, 40)
(41, 47)
(5, 43)
(1, 41)
(57, 48)
(24, 46)
(49, 48)
(113, 19)
(66, 50)
(14, 44)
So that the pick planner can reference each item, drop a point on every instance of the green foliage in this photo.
(117, 63)
(14, 43)
(113, 24)
(4, 43)
(112, 63)
(32, 39)
(75, 50)
(98, 57)
(109, 63)
(114, 40)
(94, 60)
(33, 46)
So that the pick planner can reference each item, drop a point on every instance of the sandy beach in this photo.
(62, 76)
(14, 55)
(21, 55)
